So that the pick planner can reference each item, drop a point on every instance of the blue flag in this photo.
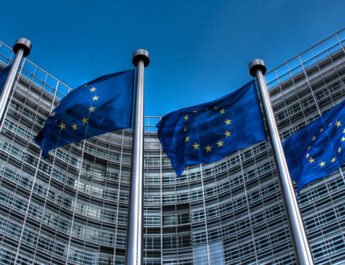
(3, 76)
(100, 106)
(208, 132)
(317, 150)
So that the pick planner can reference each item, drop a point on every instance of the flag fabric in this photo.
(3, 76)
(208, 132)
(97, 107)
(317, 150)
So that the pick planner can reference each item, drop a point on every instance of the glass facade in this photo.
(73, 207)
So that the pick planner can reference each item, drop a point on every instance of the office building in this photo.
(73, 207)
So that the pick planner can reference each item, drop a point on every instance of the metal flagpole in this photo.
(257, 69)
(135, 223)
(22, 49)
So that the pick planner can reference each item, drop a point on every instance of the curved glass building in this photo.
(73, 207)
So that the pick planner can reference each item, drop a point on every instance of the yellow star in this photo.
(333, 160)
(220, 143)
(339, 150)
(227, 133)
(342, 139)
(309, 147)
(92, 109)
(95, 98)
(307, 155)
(208, 148)
(311, 160)
(187, 139)
(196, 146)
(321, 130)
(322, 164)
(314, 138)
(344, 131)
(227, 122)
(186, 117)
(222, 111)
(74, 126)
(93, 89)
(84, 120)
(185, 129)
(338, 123)
(62, 126)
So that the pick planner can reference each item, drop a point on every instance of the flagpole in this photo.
(257, 69)
(134, 254)
(22, 49)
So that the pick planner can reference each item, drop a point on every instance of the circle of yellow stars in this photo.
(208, 148)
(84, 120)
(322, 163)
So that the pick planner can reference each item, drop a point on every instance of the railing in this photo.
(314, 55)
(41, 78)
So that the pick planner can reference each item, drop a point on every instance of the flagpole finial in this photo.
(257, 64)
(24, 44)
(141, 55)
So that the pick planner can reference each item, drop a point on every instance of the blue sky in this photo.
(199, 49)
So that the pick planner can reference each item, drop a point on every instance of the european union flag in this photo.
(317, 150)
(3, 76)
(208, 132)
(97, 107)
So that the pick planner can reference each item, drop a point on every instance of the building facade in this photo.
(73, 207)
